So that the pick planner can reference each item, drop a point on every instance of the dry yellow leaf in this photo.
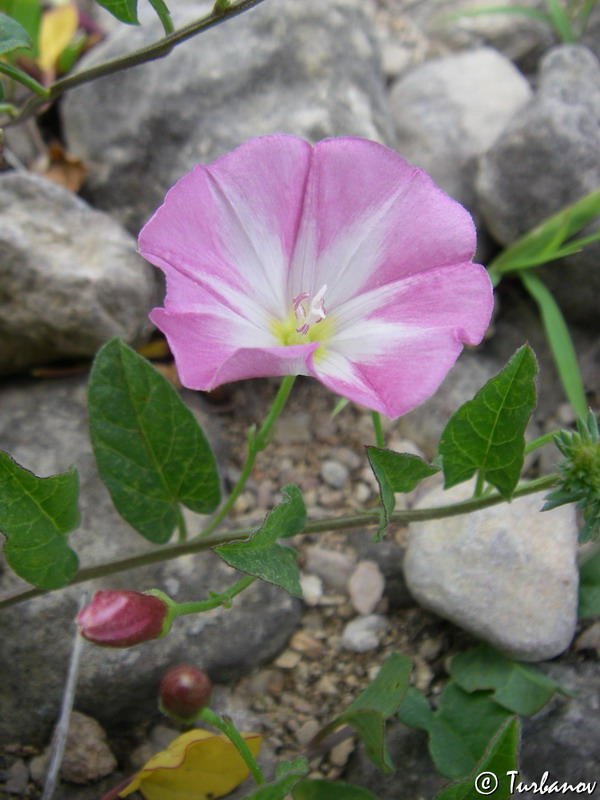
(198, 765)
(58, 28)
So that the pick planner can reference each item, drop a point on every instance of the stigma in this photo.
(316, 310)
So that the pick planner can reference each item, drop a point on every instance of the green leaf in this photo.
(317, 789)
(261, 555)
(497, 764)
(517, 687)
(36, 515)
(395, 472)
(163, 14)
(12, 35)
(151, 452)
(477, 12)
(123, 10)
(560, 342)
(560, 21)
(368, 712)
(460, 729)
(543, 243)
(28, 13)
(287, 775)
(386, 690)
(589, 588)
(487, 434)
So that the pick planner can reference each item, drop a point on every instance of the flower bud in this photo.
(184, 691)
(122, 618)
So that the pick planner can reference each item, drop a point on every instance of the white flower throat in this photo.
(316, 310)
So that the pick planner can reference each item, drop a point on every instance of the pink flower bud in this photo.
(184, 691)
(122, 618)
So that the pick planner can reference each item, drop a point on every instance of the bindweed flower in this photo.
(337, 260)
(184, 691)
(123, 618)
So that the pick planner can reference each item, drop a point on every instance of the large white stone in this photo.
(507, 574)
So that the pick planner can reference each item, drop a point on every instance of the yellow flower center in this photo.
(306, 322)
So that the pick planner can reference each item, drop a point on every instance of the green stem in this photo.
(223, 599)
(22, 77)
(547, 438)
(197, 545)
(181, 524)
(226, 726)
(256, 443)
(151, 52)
(377, 427)
(479, 484)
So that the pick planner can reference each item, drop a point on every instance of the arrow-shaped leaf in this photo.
(150, 450)
(261, 555)
(36, 515)
(395, 472)
(518, 687)
(493, 774)
(368, 712)
(487, 434)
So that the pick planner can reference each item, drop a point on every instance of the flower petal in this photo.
(233, 223)
(395, 355)
(210, 350)
(371, 218)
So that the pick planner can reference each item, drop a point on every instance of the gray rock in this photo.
(44, 427)
(507, 574)
(71, 277)
(563, 737)
(449, 111)
(547, 158)
(307, 68)
(363, 633)
(519, 37)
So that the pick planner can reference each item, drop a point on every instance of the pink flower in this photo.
(122, 618)
(337, 260)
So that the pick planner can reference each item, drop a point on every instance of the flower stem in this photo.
(26, 80)
(256, 443)
(198, 545)
(379, 437)
(226, 726)
(221, 599)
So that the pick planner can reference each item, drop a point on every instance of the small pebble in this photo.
(288, 659)
(307, 731)
(302, 642)
(340, 754)
(589, 639)
(366, 586)
(332, 566)
(362, 634)
(17, 778)
(362, 492)
(312, 589)
(334, 473)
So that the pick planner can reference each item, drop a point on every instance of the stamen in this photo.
(316, 313)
